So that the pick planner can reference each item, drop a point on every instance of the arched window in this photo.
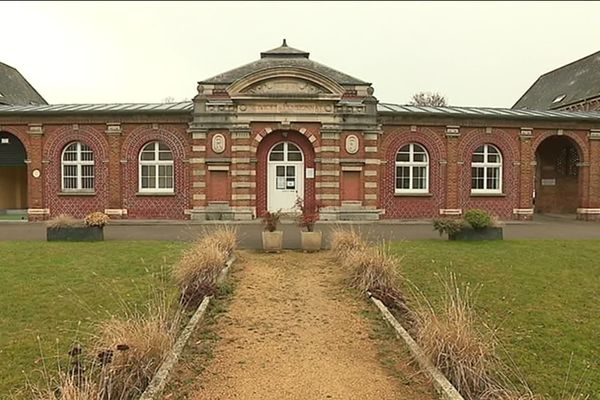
(77, 165)
(412, 169)
(486, 170)
(285, 151)
(156, 168)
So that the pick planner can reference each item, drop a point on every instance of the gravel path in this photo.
(292, 333)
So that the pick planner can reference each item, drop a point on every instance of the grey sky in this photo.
(479, 54)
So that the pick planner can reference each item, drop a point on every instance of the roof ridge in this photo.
(571, 63)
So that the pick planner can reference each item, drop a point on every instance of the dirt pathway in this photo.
(291, 332)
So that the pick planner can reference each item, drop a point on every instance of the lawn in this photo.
(57, 291)
(543, 296)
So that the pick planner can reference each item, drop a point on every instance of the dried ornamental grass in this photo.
(452, 340)
(63, 221)
(344, 241)
(197, 272)
(69, 387)
(130, 350)
(225, 237)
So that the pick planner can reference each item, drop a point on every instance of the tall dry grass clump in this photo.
(197, 272)
(456, 345)
(345, 241)
(130, 350)
(63, 221)
(225, 237)
(69, 387)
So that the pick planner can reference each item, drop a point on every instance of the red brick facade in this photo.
(220, 144)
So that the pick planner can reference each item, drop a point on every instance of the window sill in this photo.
(76, 193)
(488, 194)
(167, 194)
(415, 194)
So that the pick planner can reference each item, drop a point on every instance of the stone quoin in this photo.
(284, 126)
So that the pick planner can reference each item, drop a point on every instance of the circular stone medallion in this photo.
(352, 144)
(218, 143)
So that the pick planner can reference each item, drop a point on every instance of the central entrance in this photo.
(285, 176)
(13, 177)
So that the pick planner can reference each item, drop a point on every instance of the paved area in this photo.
(292, 332)
(544, 227)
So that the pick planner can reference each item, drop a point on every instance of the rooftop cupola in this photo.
(284, 51)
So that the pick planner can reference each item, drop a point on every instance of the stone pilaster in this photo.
(527, 167)
(37, 209)
(115, 202)
(452, 177)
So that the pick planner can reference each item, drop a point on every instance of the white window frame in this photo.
(79, 163)
(156, 162)
(486, 165)
(412, 164)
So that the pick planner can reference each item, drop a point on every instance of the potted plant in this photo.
(309, 215)
(477, 225)
(272, 238)
(66, 228)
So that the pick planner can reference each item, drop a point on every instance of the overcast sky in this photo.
(477, 54)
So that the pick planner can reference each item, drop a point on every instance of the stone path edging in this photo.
(158, 383)
(442, 384)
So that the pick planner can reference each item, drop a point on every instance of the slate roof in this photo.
(113, 108)
(283, 56)
(487, 112)
(577, 81)
(14, 88)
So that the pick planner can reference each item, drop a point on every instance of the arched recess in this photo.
(557, 178)
(262, 154)
(13, 173)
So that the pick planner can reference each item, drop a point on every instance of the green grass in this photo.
(57, 291)
(543, 296)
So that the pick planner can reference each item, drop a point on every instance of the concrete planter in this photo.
(75, 234)
(468, 234)
(272, 241)
(311, 241)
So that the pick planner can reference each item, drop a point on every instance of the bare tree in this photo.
(169, 99)
(428, 99)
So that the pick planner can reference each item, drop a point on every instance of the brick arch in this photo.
(583, 151)
(412, 206)
(77, 206)
(155, 207)
(257, 139)
(508, 146)
(22, 136)
(140, 136)
(262, 151)
(582, 146)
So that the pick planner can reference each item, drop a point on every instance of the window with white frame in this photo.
(156, 168)
(486, 170)
(77, 164)
(412, 169)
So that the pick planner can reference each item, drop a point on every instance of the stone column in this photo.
(371, 170)
(327, 172)
(527, 165)
(590, 207)
(452, 172)
(243, 174)
(198, 171)
(37, 209)
(115, 201)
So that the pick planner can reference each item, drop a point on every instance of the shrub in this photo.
(478, 219)
(63, 221)
(455, 344)
(450, 226)
(197, 272)
(98, 219)
(309, 215)
(271, 220)
(344, 241)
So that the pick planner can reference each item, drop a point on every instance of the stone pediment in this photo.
(285, 87)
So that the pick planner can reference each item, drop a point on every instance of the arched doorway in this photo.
(285, 176)
(557, 176)
(13, 174)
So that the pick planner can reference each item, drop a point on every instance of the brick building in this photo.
(258, 136)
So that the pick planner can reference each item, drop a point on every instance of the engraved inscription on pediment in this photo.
(286, 86)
